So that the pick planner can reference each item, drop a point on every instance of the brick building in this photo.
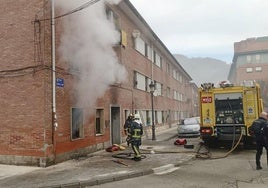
(250, 62)
(43, 117)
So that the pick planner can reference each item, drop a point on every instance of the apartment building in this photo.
(250, 62)
(67, 91)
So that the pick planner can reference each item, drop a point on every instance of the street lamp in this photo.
(152, 89)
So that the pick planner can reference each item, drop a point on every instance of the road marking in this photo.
(165, 169)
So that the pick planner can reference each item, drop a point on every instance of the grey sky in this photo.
(205, 28)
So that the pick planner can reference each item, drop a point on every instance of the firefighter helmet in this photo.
(131, 116)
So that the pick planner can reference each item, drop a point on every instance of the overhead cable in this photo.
(84, 6)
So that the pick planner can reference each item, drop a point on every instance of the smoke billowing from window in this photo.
(87, 46)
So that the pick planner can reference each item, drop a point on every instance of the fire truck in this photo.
(227, 111)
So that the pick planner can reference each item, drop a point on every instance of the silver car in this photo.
(189, 128)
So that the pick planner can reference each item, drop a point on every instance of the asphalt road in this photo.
(234, 171)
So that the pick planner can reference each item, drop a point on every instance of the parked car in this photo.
(189, 128)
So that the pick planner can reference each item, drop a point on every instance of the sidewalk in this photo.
(101, 167)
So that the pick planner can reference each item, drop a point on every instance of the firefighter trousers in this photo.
(136, 149)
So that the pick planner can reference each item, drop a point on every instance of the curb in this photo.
(120, 177)
(100, 181)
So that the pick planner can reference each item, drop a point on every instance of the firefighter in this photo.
(127, 126)
(136, 131)
(259, 129)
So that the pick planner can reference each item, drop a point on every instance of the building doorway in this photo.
(115, 125)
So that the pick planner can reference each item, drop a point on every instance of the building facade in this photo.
(250, 62)
(43, 119)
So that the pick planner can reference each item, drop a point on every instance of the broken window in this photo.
(77, 123)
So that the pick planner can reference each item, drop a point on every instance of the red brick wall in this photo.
(26, 88)
(25, 125)
(251, 44)
(242, 74)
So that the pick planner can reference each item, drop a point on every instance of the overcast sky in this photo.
(205, 28)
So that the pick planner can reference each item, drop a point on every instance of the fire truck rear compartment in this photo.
(229, 109)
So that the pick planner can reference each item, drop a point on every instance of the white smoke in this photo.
(87, 45)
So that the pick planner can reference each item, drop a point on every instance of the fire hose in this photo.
(207, 154)
(198, 153)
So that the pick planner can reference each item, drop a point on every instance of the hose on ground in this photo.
(202, 155)
(207, 154)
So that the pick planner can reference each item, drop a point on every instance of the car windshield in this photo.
(191, 121)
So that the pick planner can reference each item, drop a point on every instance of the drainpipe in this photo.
(54, 117)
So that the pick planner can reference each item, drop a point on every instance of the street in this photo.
(168, 166)
(235, 170)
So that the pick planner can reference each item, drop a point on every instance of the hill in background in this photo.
(204, 69)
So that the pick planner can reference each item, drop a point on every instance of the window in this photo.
(77, 123)
(181, 97)
(168, 68)
(99, 121)
(140, 81)
(113, 17)
(148, 118)
(148, 82)
(175, 95)
(249, 69)
(158, 89)
(158, 117)
(157, 60)
(148, 51)
(180, 79)
(168, 92)
(174, 73)
(163, 117)
(140, 45)
(248, 58)
(258, 69)
(258, 58)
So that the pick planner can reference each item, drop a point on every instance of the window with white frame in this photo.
(248, 58)
(168, 92)
(159, 117)
(175, 95)
(174, 73)
(258, 69)
(148, 51)
(163, 116)
(168, 68)
(157, 60)
(148, 82)
(258, 58)
(180, 79)
(180, 97)
(249, 69)
(140, 45)
(140, 81)
(158, 89)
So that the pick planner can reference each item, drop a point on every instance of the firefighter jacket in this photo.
(127, 126)
(136, 131)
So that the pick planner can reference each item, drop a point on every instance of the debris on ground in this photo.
(115, 147)
(180, 141)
